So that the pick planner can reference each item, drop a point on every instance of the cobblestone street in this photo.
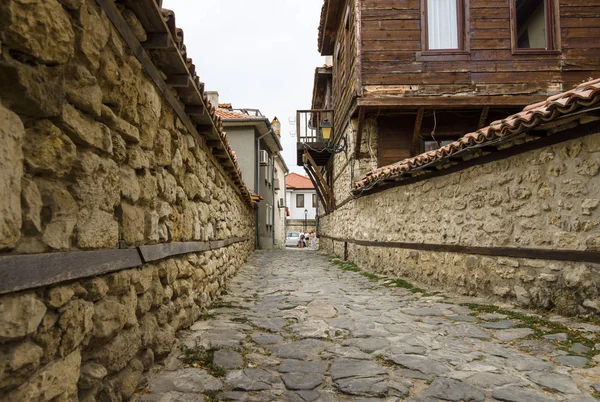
(295, 326)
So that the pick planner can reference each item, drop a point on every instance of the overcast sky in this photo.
(257, 54)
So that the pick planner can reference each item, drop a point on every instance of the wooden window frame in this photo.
(297, 198)
(552, 29)
(464, 36)
(314, 200)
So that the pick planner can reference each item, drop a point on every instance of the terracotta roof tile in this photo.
(297, 181)
(225, 114)
(585, 95)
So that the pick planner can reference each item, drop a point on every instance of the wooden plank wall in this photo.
(391, 38)
(344, 92)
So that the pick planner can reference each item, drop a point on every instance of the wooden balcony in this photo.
(310, 127)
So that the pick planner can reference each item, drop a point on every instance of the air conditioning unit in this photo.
(276, 184)
(281, 203)
(263, 158)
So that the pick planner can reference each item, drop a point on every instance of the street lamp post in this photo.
(305, 218)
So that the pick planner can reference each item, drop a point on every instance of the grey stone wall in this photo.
(91, 154)
(547, 199)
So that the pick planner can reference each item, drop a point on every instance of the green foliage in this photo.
(199, 356)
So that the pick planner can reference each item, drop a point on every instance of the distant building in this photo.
(301, 201)
(281, 170)
(256, 145)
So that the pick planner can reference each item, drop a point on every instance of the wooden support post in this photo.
(414, 150)
(483, 117)
(320, 179)
(157, 41)
(359, 130)
(315, 183)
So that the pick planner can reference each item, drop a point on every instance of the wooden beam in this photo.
(29, 271)
(359, 130)
(157, 41)
(178, 81)
(195, 110)
(513, 252)
(483, 117)
(416, 140)
(213, 143)
(320, 178)
(315, 183)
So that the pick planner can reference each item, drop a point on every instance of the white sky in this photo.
(258, 54)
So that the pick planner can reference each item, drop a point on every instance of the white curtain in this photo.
(442, 24)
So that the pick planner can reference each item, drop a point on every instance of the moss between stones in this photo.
(397, 283)
(542, 326)
(199, 356)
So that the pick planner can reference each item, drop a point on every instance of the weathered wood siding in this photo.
(345, 64)
(391, 40)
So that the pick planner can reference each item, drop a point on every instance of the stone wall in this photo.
(543, 199)
(92, 157)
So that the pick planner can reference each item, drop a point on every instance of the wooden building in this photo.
(410, 76)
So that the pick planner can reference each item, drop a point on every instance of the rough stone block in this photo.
(56, 378)
(48, 150)
(11, 171)
(41, 29)
(132, 221)
(97, 229)
(21, 314)
(85, 131)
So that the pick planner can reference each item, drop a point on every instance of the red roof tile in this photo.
(584, 96)
(225, 114)
(297, 181)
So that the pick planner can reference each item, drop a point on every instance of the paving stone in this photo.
(298, 366)
(536, 347)
(492, 380)
(302, 381)
(233, 396)
(422, 311)
(173, 396)
(512, 334)
(404, 349)
(344, 368)
(528, 363)
(270, 324)
(369, 386)
(557, 382)
(579, 348)
(467, 331)
(227, 359)
(311, 329)
(420, 363)
(304, 349)
(308, 396)
(263, 338)
(504, 324)
(574, 361)
(372, 344)
(453, 390)
(518, 394)
(560, 337)
(189, 380)
(252, 379)
(462, 318)
(492, 316)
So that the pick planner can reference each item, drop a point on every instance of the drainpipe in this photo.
(257, 188)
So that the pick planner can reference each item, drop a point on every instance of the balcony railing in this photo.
(310, 125)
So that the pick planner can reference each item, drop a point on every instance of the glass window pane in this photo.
(531, 24)
(442, 24)
(300, 200)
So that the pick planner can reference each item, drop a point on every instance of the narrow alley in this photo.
(300, 326)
